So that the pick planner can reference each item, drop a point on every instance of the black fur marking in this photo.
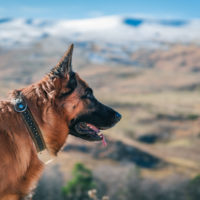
(56, 73)
(97, 114)
(72, 84)
(88, 94)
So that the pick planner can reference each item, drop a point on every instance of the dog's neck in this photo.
(52, 126)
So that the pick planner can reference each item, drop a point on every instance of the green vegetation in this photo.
(135, 187)
(193, 116)
(82, 182)
(193, 189)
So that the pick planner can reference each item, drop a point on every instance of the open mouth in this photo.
(90, 125)
(88, 132)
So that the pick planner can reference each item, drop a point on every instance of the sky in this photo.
(78, 9)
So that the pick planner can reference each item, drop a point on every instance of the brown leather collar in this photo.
(21, 107)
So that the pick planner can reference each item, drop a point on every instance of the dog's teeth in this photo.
(94, 128)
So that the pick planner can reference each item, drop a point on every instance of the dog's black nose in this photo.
(117, 116)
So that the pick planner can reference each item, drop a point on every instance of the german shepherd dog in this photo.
(61, 104)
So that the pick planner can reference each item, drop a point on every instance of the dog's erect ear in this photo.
(64, 66)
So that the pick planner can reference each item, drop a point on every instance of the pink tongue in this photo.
(97, 131)
(93, 127)
(104, 140)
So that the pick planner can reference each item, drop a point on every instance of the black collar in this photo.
(22, 108)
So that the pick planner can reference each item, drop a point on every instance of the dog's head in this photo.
(84, 114)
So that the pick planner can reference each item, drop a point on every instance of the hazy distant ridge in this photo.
(114, 30)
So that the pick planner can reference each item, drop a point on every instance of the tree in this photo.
(82, 181)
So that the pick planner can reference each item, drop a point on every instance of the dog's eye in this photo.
(63, 95)
(88, 94)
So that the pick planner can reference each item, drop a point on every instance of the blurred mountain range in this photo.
(111, 39)
(113, 30)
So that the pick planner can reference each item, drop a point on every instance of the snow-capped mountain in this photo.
(115, 30)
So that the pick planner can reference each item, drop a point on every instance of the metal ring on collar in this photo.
(20, 105)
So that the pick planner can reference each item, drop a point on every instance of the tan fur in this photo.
(20, 167)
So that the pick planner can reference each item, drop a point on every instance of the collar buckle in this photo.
(20, 105)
